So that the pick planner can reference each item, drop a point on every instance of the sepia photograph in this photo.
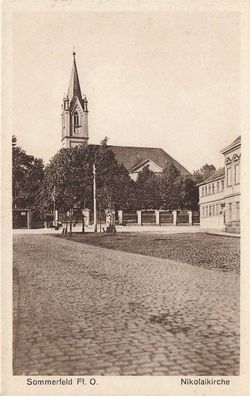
(125, 194)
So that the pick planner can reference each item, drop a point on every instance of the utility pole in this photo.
(94, 197)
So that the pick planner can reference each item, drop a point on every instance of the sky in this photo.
(169, 79)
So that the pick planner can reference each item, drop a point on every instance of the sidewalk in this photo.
(222, 233)
(133, 228)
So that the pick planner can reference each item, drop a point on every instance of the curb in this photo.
(223, 234)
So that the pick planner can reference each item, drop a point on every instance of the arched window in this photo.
(76, 118)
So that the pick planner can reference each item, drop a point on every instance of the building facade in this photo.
(232, 156)
(219, 194)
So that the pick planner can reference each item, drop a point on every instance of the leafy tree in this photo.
(170, 187)
(148, 189)
(112, 179)
(188, 194)
(204, 172)
(66, 180)
(27, 176)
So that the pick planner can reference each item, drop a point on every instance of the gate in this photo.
(20, 218)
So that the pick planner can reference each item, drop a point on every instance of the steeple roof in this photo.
(74, 84)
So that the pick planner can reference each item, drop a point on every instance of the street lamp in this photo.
(94, 198)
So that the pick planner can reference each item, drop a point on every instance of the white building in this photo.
(219, 194)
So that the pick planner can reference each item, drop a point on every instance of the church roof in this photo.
(132, 156)
(74, 89)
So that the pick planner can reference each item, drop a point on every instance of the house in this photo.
(75, 131)
(232, 156)
(219, 194)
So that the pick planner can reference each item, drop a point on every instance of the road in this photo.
(85, 310)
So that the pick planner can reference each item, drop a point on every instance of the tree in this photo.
(188, 194)
(147, 189)
(66, 180)
(114, 185)
(204, 172)
(27, 176)
(170, 186)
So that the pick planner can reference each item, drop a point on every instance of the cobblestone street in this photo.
(86, 310)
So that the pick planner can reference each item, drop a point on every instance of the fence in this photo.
(182, 218)
(148, 217)
(196, 217)
(139, 217)
(166, 217)
(130, 217)
(101, 217)
(158, 217)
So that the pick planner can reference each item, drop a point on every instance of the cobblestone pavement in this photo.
(85, 310)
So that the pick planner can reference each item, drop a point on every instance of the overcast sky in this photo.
(169, 80)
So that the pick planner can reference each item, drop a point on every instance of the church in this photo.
(75, 131)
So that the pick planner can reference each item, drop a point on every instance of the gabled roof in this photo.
(218, 174)
(74, 89)
(132, 156)
(143, 163)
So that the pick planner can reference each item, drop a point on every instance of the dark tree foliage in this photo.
(170, 186)
(68, 179)
(114, 186)
(148, 189)
(188, 197)
(27, 176)
(204, 172)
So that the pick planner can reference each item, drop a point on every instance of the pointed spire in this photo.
(74, 84)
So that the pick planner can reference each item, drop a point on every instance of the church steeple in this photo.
(74, 113)
(74, 89)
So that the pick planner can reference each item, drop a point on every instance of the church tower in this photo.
(74, 113)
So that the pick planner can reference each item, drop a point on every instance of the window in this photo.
(203, 211)
(206, 211)
(213, 188)
(222, 185)
(206, 190)
(76, 119)
(237, 210)
(237, 173)
(218, 186)
(202, 192)
(209, 189)
(230, 212)
(229, 177)
(210, 210)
